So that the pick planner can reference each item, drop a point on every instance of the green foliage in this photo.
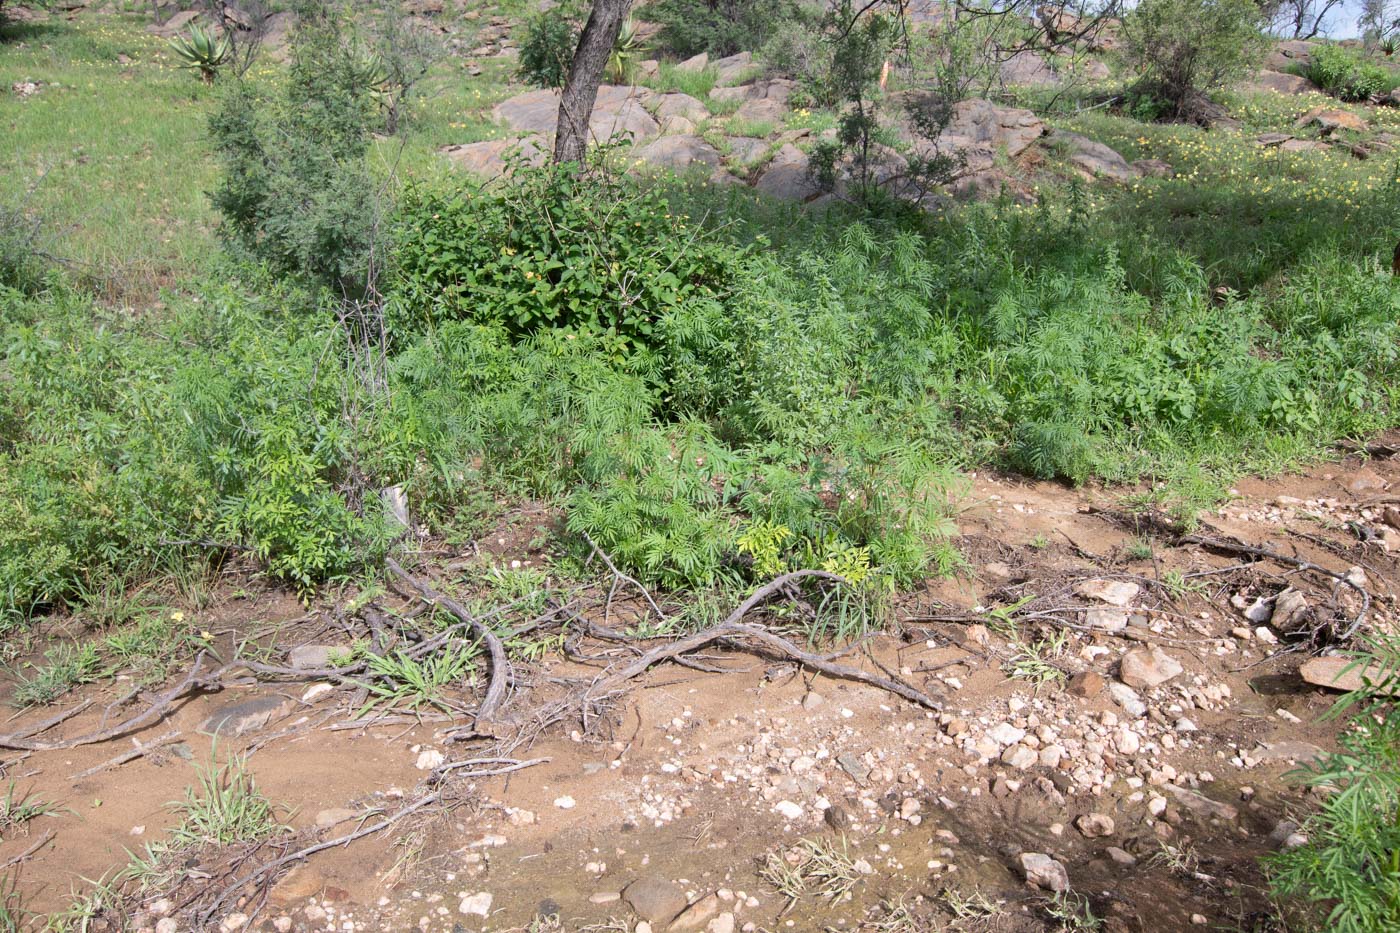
(1183, 49)
(402, 681)
(17, 809)
(202, 51)
(1348, 74)
(557, 250)
(1346, 877)
(547, 46)
(65, 667)
(626, 53)
(719, 27)
(295, 193)
(225, 807)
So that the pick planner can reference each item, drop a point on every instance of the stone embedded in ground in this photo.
(733, 69)
(476, 905)
(979, 130)
(1331, 119)
(1366, 480)
(428, 759)
(1085, 684)
(697, 915)
(1290, 614)
(724, 923)
(1146, 668)
(854, 766)
(620, 110)
(1201, 804)
(1154, 168)
(787, 177)
(1095, 825)
(493, 157)
(1028, 69)
(248, 716)
(334, 816)
(1095, 160)
(1120, 856)
(680, 105)
(1342, 674)
(1280, 83)
(746, 150)
(762, 111)
(1294, 53)
(679, 152)
(1127, 698)
(1286, 750)
(1114, 592)
(1045, 872)
(655, 899)
(695, 62)
(1106, 620)
(788, 809)
(774, 89)
(314, 657)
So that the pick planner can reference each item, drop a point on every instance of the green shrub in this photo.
(1349, 75)
(295, 192)
(1184, 49)
(1346, 876)
(547, 46)
(719, 27)
(555, 250)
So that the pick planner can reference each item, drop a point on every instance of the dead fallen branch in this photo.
(194, 681)
(39, 843)
(735, 632)
(493, 766)
(271, 868)
(1235, 546)
(139, 751)
(500, 665)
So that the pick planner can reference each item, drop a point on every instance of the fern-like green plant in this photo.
(202, 51)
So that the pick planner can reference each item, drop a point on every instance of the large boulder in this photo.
(175, 25)
(1294, 53)
(746, 150)
(492, 157)
(779, 89)
(767, 110)
(979, 129)
(1330, 119)
(788, 176)
(1028, 69)
(679, 152)
(1279, 83)
(733, 70)
(619, 110)
(1094, 159)
(680, 105)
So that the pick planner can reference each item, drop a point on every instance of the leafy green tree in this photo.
(1184, 49)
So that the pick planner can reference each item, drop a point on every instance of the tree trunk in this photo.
(595, 45)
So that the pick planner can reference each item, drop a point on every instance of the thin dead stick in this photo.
(273, 866)
(52, 721)
(43, 840)
(1234, 546)
(500, 665)
(194, 681)
(619, 575)
(507, 766)
(137, 752)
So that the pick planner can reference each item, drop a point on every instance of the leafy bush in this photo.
(1348, 75)
(557, 250)
(1186, 48)
(1346, 876)
(719, 27)
(295, 192)
(547, 47)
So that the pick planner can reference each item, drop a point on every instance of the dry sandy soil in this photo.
(1156, 802)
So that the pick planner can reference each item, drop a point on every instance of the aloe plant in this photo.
(201, 50)
(627, 51)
